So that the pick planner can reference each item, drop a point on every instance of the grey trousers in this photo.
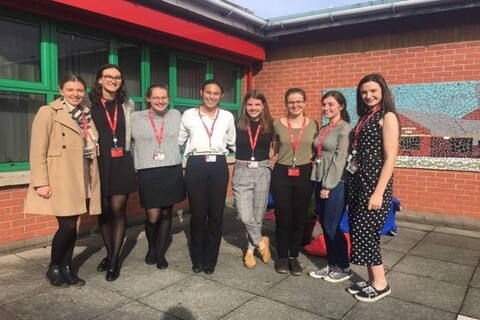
(250, 192)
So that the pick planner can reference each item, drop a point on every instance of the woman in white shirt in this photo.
(209, 133)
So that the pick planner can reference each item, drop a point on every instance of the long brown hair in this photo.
(265, 120)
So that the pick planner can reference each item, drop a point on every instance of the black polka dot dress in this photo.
(366, 225)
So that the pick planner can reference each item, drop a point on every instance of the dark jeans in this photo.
(330, 212)
(291, 196)
(206, 184)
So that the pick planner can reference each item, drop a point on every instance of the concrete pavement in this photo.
(434, 273)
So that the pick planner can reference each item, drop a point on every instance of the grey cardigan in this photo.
(144, 143)
(334, 156)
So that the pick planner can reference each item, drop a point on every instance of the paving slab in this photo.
(138, 311)
(5, 315)
(313, 295)
(460, 232)
(471, 306)
(475, 283)
(436, 269)
(197, 298)
(23, 283)
(427, 292)
(265, 309)
(446, 253)
(399, 244)
(77, 303)
(403, 224)
(391, 257)
(393, 309)
(453, 240)
(139, 281)
(256, 280)
(12, 262)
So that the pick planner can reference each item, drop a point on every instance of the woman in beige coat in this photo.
(64, 173)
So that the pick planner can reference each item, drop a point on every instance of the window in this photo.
(19, 51)
(461, 145)
(80, 55)
(190, 76)
(227, 77)
(410, 143)
(159, 65)
(17, 110)
(129, 58)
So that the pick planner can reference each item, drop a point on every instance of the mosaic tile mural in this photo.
(440, 124)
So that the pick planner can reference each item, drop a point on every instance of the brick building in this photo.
(432, 44)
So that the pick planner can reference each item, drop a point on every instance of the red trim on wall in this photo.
(124, 17)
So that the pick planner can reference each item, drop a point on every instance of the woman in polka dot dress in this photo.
(371, 163)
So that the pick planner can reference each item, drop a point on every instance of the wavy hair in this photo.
(265, 120)
(339, 97)
(96, 92)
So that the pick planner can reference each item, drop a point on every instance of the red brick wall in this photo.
(438, 191)
(431, 191)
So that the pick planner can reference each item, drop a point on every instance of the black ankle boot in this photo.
(71, 277)
(162, 263)
(150, 257)
(55, 276)
(113, 271)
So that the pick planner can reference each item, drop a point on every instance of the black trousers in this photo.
(291, 196)
(206, 184)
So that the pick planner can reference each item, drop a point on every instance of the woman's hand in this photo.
(375, 202)
(44, 192)
(324, 193)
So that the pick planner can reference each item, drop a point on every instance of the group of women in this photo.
(79, 165)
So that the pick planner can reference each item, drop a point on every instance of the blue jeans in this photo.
(330, 212)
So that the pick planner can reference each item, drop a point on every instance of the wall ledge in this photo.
(453, 164)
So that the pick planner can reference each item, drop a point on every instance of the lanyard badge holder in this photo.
(158, 155)
(352, 165)
(252, 164)
(115, 152)
(295, 171)
(209, 157)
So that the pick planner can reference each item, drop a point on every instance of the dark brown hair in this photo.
(265, 120)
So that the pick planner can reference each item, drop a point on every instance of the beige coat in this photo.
(56, 160)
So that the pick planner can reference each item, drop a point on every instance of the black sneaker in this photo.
(357, 287)
(281, 266)
(370, 294)
(294, 267)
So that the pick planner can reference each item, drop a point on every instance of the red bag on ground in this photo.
(318, 248)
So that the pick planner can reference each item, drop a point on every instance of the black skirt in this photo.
(161, 187)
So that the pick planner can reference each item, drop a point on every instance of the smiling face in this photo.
(254, 108)
(331, 109)
(111, 80)
(371, 93)
(158, 99)
(73, 92)
(211, 96)
(295, 103)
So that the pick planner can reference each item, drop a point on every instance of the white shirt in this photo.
(193, 131)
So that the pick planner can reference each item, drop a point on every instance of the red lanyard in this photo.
(253, 141)
(324, 133)
(362, 122)
(209, 132)
(297, 142)
(113, 125)
(158, 135)
(85, 126)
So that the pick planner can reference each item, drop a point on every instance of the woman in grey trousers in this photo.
(251, 176)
